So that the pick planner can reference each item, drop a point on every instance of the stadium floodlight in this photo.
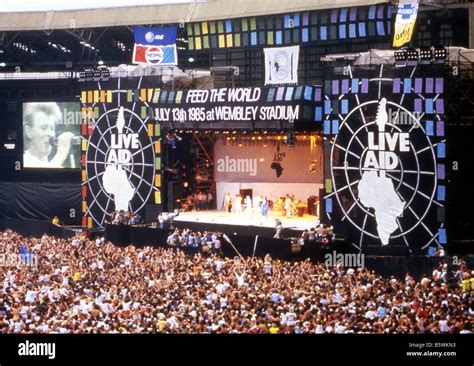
(97, 74)
(82, 76)
(426, 55)
(89, 74)
(105, 74)
(413, 56)
(440, 54)
(401, 57)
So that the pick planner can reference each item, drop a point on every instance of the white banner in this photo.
(281, 65)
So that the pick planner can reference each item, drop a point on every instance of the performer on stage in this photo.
(278, 229)
(257, 202)
(288, 206)
(228, 202)
(278, 205)
(248, 205)
(237, 203)
(265, 207)
(209, 199)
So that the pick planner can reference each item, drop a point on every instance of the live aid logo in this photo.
(385, 159)
(230, 165)
(119, 145)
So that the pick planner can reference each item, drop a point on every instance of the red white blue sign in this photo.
(155, 46)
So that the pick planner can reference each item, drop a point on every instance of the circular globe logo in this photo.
(149, 36)
(384, 174)
(119, 164)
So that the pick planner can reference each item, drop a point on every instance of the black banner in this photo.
(367, 349)
(292, 104)
(27, 200)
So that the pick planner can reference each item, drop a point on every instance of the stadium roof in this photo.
(64, 14)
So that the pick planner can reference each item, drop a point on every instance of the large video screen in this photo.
(51, 135)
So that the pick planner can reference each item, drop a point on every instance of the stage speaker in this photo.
(174, 194)
(295, 248)
(312, 205)
(459, 218)
(322, 207)
(152, 212)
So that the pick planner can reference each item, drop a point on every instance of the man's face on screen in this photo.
(39, 134)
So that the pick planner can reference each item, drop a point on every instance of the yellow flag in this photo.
(405, 22)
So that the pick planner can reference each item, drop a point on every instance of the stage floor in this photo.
(223, 218)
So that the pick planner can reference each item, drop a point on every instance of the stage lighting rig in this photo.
(426, 55)
(401, 57)
(96, 74)
(105, 74)
(412, 57)
(440, 54)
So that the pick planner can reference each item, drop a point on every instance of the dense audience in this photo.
(322, 233)
(122, 217)
(90, 286)
(207, 242)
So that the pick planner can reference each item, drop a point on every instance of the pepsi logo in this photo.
(154, 55)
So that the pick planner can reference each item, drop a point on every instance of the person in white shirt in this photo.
(444, 326)
(219, 264)
(248, 205)
(291, 317)
(340, 329)
(278, 229)
(240, 279)
(216, 245)
(237, 206)
(371, 314)
(30, 296)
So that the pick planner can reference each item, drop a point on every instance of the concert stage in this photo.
(243, 224)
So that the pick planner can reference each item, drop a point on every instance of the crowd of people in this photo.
(206, 242)
(122, 217)
(91, 286)
(322, 233)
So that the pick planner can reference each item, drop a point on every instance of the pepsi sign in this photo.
(155, 46)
